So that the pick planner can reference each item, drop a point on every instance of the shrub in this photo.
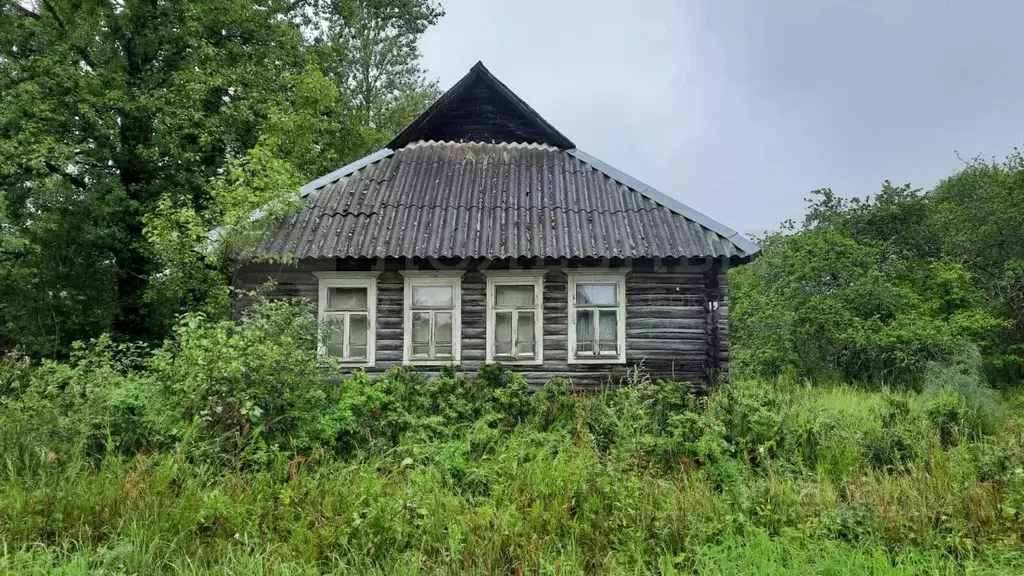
(100, 399)
(893, 442)
(231, 388)
(14, 372)
(553, 405)
(752, 415)
(472, 473)
(959, 403)
(251, 385)
(858, 290)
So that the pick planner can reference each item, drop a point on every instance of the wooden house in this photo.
(482, 234)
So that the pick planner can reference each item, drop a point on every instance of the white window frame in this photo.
(609, 276)
(432, 278)
(340, 279)
(533, 278)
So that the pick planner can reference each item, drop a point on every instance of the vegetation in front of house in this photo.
(231, 449)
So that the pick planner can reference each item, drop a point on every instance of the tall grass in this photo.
(547, 498)
(232, 450)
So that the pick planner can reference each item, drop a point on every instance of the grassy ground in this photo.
(762, 479)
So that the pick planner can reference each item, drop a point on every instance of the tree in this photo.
(370, 49)
(115, 113)
(978, 212)
(861, 291)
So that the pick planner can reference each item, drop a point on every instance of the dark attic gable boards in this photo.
(480, 108)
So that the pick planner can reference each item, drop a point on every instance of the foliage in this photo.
(124, 126)
(233, 449)
(198, 248)
(861, 290)
(371, 49)
(977, 211)
(960, 403)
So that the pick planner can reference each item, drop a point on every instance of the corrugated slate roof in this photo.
(472, 199)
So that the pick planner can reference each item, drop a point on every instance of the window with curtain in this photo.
(514, 316)
(347, 316)
(432, 310)
(432, 323)
(597, 313)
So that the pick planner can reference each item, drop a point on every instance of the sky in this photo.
(741, 108)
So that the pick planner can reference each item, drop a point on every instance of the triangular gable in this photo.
(480, 108)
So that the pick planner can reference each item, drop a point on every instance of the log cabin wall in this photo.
(674, 330)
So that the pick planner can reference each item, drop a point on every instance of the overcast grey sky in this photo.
(740, 108)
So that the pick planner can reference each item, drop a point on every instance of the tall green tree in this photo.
(370, 49)
(114, 113)
(861, 290)
(979, 213)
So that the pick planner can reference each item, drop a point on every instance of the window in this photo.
(597, 317)
(433, 323)
(348, 316)
(515, 305)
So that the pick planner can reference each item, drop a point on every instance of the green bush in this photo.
(246, 390)
(861, 291)
(959, 402)
(893, 442)
(233, 447)
(642, 480)
(98, 400)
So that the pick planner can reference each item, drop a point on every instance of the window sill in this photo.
(430, 362)
(356, 364)
(533, 362)
(342, 364)
(597, 360)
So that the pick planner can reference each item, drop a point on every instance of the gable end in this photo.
(480, 108)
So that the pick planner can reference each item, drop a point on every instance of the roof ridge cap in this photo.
(344, 171)
(528, 145)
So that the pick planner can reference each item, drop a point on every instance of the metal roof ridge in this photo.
(345, 170)
(669, 202)
(528, 145)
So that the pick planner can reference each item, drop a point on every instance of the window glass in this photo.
(585, 331)
(346, 299)
(432, 297)
(431, 319)
(443, 334)
(503, 333)
(597, 294)
(524, 335)
(514, 313)
(608, 331)
(336, 336)
(443, 328)
(346, 313)
(513, 296)
(421, 333)
(358, 326)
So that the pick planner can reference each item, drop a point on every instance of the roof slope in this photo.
(446, 199)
